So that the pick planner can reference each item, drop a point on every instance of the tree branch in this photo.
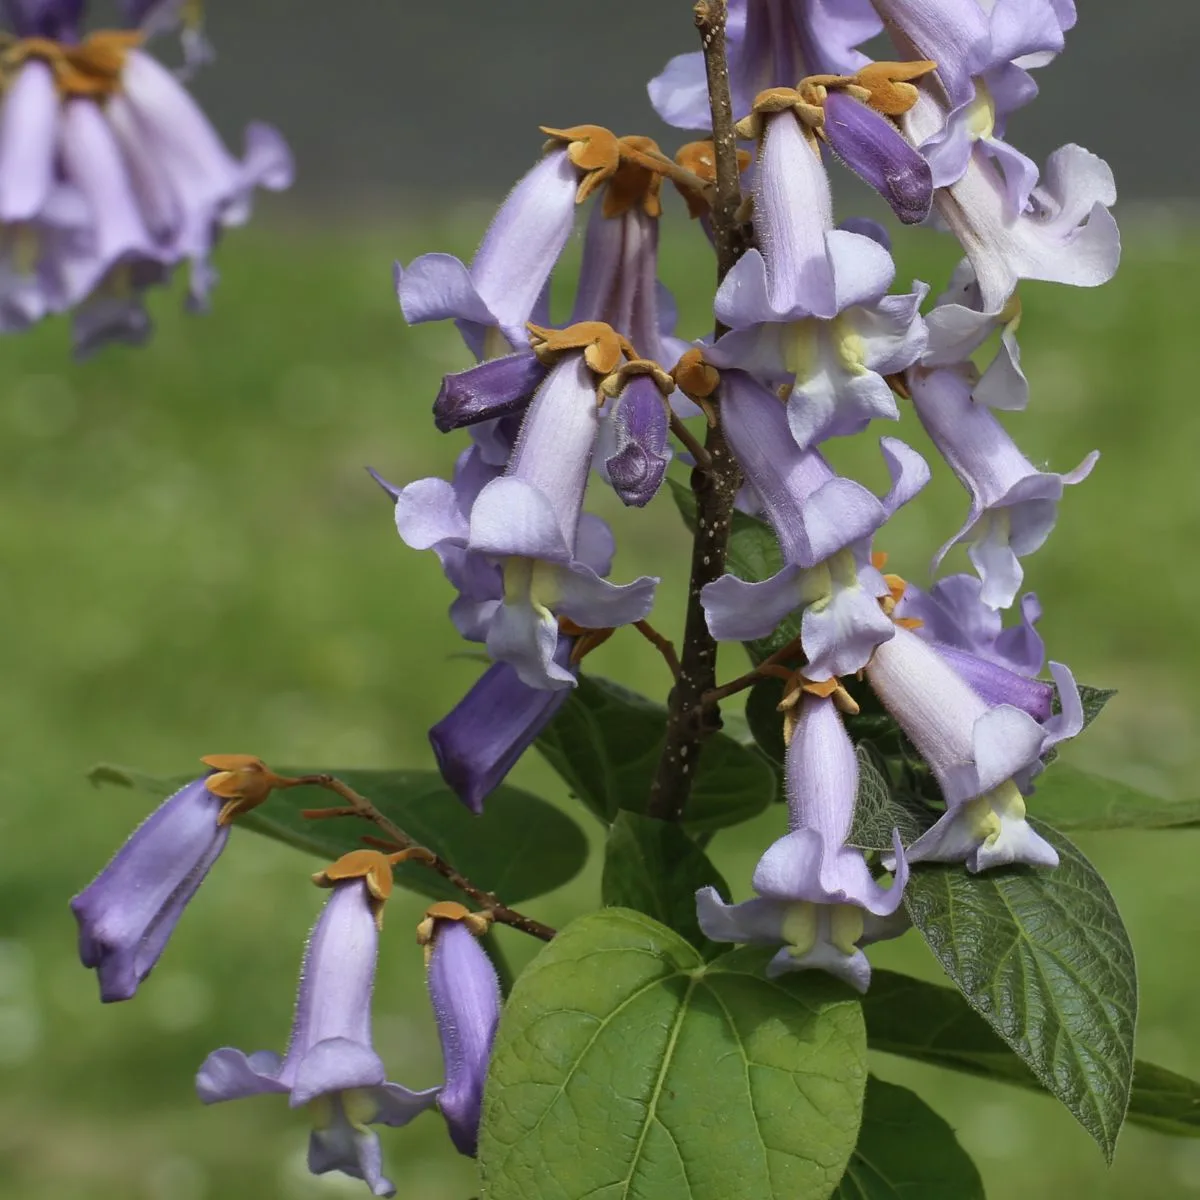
(690, 717)
(397, 839)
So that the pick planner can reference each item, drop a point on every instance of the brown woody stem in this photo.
(690, 717)
(397, 839)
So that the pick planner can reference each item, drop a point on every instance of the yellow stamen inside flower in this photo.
(986, 814)
(800, 928)
(534, 582)
(801, 355)
(845, 927)
(360, 1107)
(850, 346)
(981, 113)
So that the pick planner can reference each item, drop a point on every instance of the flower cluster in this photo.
(815, 343)
(331, 1067)
(110, 174)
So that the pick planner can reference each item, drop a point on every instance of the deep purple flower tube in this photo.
(640, 454)
(481, 738)
(875, 150)
(466, 1003)
(496, 387)
(127, 914)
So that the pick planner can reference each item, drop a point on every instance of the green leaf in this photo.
(655, 867)
(605, 742)
(753, 555)
(935, 1025)
(521, 846)
(626, 1067)
(1073, 799)
(906, 1150)
(765, 719)
(1094, 699)
(1044, 958)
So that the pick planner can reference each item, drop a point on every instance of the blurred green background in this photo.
(194, 561)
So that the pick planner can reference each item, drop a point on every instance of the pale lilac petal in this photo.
(853, 969)
(595, 544)
(863, 270)
(526, 637)
(228, 1074)
(29, 118)
(1069, 722)
(751, 921)
(594, 603)
(908, 471)
(428, 513)
(437, 287)
(955, 35)
(512, 517)
(680, 93)
(842, 631)
(737, 611)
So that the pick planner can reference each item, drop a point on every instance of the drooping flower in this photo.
(770, 43)
(490, 390)
(1013, 505)
(110, 175)
(816, 895)
(521, 541)
(633, 450)
(331, 1066)
(824, 524)
(982, 756)
(481, 738)
(465, 993)
(128, 913)
(505, 286)
(811, 310)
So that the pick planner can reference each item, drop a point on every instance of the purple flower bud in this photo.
(875, 150)
(331, 1065)
(998, 685)
(816, 894)
(638, 429)
(466, 1003)
(58, 20)
(497, 387)
(479, 741)
(129, 911)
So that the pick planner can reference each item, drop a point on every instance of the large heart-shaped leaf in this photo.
(655, 867)
(519, 848)
(625, 1066)
(906, 1151)
(606, 740)
(935, 1025)
(1069, 798)
(1044, 958)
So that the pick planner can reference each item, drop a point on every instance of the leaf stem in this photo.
(358, 805)
(690, 717)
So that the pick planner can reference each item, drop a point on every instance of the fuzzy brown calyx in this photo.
(798, 686)
(242, 781)
(700, 159)
(695, 376)
(614, 384)
(476, 923)
(801, 100)
(586, 639)
(603, 347)
(90, 69)
(374, 868)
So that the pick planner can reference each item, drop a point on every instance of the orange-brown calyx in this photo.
(633, 167)
(695, 376)
(91, 68)
(373, 867)
(889, 85)
(586, 640)
(798, 686)
(477, 923)
(802, 100)
(242, 781)
(602, 346)
(614, 384)
(700, 158)
(896, 589)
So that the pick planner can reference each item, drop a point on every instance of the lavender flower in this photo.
(815, 894)
(111, 176)
(129, 912)
(493, 389)
(506, 284)
(466, 1003)
(811, 309)
(1013, 505)
(824, 524)
(633, 453)
(982, 756)
(520, 544)
(770, 43)
(481, 738)
(331, 1065)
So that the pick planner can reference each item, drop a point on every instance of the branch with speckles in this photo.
(691, 714)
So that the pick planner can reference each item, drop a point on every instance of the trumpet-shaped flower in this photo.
(824, 524)
(811, 309)
(981, 755)
(1013, 505)
(331, 1066)
(816, 895)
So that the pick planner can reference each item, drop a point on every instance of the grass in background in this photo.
(195, 562)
